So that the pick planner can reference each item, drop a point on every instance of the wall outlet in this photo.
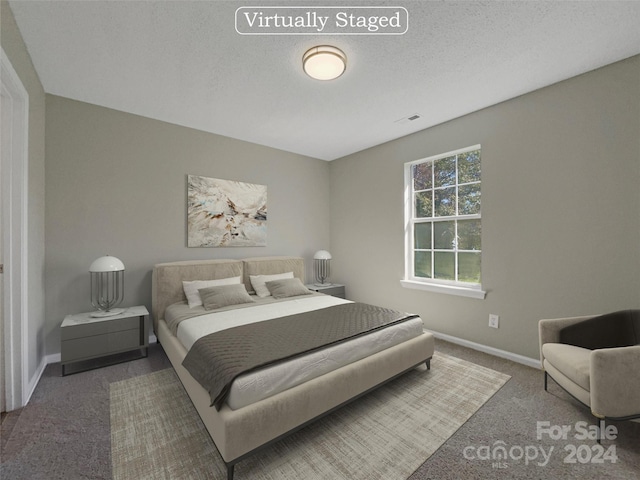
(494, 320)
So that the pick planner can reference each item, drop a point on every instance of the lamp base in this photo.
(107, 313)
(323, 284)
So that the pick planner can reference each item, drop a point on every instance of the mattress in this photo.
(265, 382)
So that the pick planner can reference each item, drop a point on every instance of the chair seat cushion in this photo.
(572, 361)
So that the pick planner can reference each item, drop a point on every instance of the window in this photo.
(443, 223)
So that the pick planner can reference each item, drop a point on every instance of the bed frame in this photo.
(240, 433)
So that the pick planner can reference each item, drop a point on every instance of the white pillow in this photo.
(191, 288)
(258, 282)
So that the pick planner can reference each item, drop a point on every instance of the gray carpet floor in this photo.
(63, 433)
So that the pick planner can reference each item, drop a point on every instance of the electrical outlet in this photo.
(494, 320)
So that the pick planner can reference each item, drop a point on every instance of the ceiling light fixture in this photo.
(324, 62)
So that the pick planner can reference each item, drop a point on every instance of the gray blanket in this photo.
(215, 360)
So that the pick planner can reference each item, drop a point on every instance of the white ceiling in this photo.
(183, 62)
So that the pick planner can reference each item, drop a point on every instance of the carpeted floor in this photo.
(64, 432)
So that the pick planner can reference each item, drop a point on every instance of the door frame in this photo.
(15, 236)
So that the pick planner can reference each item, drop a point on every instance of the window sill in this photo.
(447, 289)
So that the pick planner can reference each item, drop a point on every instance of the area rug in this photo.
(156, 432)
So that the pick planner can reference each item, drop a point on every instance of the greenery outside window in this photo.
(443, 222)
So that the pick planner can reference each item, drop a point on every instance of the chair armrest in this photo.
(615, 382)
(549, 330)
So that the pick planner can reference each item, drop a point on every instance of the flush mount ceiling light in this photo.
(324, 62)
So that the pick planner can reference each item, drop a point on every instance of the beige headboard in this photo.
(167, 278)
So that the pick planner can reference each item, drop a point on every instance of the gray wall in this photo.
(17, 53)
(560, 210)
(561, 206)
(116, 184)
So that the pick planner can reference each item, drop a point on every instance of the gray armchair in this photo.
(597, 360)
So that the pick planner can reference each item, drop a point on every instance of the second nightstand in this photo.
(334, 289)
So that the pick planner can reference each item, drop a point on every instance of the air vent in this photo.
(410, 118)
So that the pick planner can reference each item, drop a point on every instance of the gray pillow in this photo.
(224, 295)
(288, 287)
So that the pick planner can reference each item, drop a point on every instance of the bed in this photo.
(241, 424)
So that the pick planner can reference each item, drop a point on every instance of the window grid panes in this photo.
(445, 220)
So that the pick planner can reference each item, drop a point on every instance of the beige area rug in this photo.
(156, 432)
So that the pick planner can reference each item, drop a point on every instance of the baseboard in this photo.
(33, 382)
(529, 362)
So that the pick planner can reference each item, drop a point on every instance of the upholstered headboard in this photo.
(167, 278)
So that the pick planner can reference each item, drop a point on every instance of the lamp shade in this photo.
(106, 264)
(324, 62)
(322, 255)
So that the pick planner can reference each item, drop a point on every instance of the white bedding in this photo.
(260, 384)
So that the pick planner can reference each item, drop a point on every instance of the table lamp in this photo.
(107, 285)
(322, 267)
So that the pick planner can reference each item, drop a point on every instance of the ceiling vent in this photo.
(410, 118)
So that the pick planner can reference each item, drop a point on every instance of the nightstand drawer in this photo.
(336, 289)
(99, 328)
(125, 340)
(99, 345)
(85, 347)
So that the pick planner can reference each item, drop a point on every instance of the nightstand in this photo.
(84, 337)
(334, 289)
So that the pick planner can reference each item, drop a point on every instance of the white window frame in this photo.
(466, 289)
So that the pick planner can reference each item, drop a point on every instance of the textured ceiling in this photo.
(183, 62)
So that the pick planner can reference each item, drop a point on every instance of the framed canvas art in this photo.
(225, 213)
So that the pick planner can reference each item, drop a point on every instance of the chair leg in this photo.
(545, 381)
(599, 430)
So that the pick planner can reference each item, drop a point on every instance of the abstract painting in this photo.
(225, 213)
